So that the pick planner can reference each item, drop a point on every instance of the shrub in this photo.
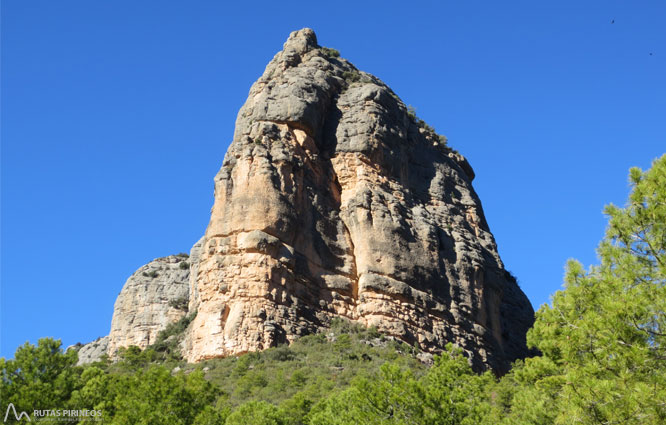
(331, 53)
(255, 413)
(411, 112)
(168, 340)
(179, 303)
(280, 354)
(351, 76)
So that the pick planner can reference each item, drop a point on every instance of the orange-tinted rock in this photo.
(334, 201)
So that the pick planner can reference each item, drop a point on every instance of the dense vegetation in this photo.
(603, 360)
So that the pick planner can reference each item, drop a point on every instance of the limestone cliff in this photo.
(92, 351)
(154, 296)
(335, 201)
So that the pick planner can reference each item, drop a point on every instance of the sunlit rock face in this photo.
(335, 201)
(156, 295)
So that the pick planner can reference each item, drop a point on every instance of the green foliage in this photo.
(351, 76)
(603, 338)
(45, 377)
(41, 375)
(132, 358)
(355, 76)
(411, 112)
(212, 416)
(393, 397)
(295, 410)
(96, 391)
(184, 265)
(310, 368)
(167, 342)
(152, 273)
(256, 413)
(331, 53)
(454, 394)
(165, 350)
(427, 129)
(154, 396)
(150, 396)
(179, 303)
(450, 393)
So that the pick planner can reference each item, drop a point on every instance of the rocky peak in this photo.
(154, 296)
(300, 42)
(334, 200)
(157, 294)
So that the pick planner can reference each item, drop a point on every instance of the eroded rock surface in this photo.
(333, 200)
(92, 351)
(156, 295)
(195, 256)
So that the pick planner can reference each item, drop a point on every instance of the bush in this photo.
(255, 413)
(280, 354)
(168, 341)
(179, 303)
(351, 76)
(411, 113)
(331, 53)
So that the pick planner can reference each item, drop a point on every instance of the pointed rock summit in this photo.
(335, 201)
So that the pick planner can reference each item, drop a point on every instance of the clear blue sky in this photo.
(116, 116)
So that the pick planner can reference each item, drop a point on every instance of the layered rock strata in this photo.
(335, 201)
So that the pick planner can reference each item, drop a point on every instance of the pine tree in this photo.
(603, 338)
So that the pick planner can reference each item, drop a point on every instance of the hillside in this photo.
(601, 345)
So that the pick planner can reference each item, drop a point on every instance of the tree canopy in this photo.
(603, 337)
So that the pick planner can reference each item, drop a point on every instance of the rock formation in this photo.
(154, 296)
(195, 255)
(92, 351)
(335, 201)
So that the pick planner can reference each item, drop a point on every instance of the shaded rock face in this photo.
(334, 201)
(195, 255)
(156, 295)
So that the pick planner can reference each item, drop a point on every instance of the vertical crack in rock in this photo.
(354, 272)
